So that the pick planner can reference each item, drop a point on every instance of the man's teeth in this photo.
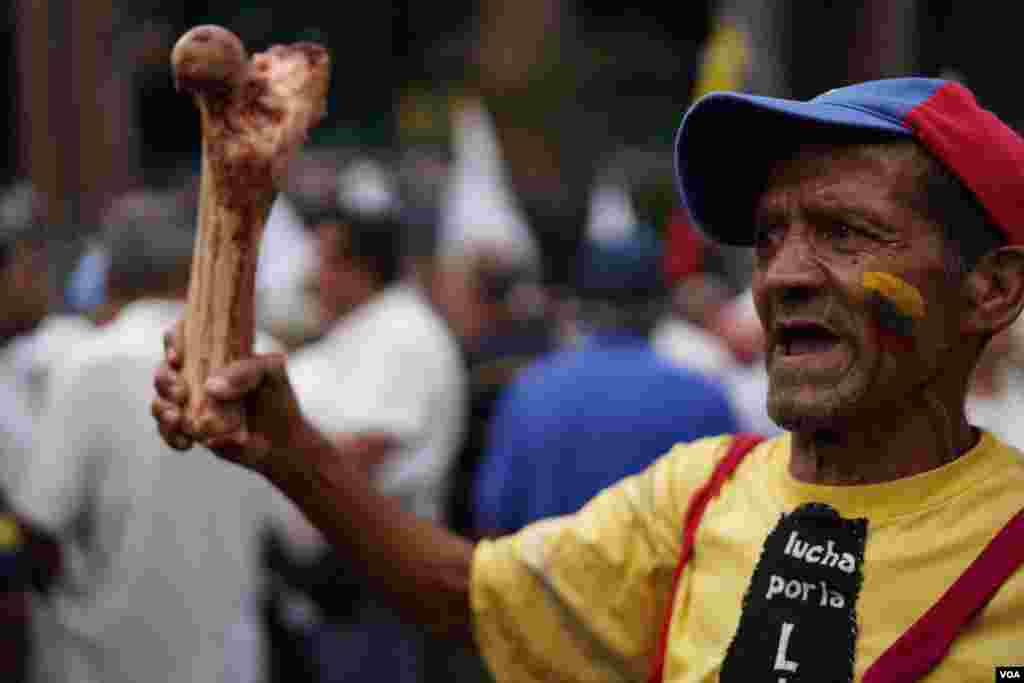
(814, 344)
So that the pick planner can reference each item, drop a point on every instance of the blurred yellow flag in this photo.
(725, 61)
(10, 532)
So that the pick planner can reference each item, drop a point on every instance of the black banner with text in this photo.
(799, 620)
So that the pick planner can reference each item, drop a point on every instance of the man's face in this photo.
(25, 292)
(827, 216)
(457, 290)
(342, 283)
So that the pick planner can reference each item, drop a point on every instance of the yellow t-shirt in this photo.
(582, 597)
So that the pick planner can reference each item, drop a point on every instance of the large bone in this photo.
(255, 114)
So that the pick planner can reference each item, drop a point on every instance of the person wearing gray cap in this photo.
(27, 295)
(32, 333)
(30, 559)
(878, 539)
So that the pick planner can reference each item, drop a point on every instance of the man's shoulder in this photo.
(61, 331)
(55, 337)
(548, 366)
(639, 363)
(397, 320)
(112, 343)
(572, 363)
(119, 353)
(714, 448)
(413, 322)
(689, 465)
(690, 346)
(543, 385)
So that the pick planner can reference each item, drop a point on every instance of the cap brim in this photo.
(727, 142)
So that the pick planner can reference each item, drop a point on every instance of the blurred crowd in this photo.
(487, 366)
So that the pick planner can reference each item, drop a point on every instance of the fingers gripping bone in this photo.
(254, 114)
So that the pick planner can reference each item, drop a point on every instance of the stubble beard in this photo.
(804, 401)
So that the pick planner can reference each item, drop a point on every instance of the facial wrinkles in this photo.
(934, 410)
(837, 267)
(825, 296)
(820, 305)
(832, 306)
(837, 303)
(817, 188)
(803, 197)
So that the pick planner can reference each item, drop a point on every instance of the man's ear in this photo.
(994, 291)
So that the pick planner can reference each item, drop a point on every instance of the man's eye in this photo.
(843, 234)
(839, 231)
(765, 234)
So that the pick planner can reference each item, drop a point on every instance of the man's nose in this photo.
(793, 267)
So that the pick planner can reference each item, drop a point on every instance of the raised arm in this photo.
(418, 565)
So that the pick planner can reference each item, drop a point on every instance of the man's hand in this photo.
(254, 115)
(260, 383)
(423, 568)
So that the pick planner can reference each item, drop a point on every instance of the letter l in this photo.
(780, 657)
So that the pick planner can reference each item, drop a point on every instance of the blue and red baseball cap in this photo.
(727, 142)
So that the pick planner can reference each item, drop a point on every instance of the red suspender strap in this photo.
(741, 445)
(918, 650)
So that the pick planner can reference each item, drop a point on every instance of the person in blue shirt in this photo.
(584, 417)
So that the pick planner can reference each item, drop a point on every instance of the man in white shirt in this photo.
(387, 364)
(153, 588)
(387, 361)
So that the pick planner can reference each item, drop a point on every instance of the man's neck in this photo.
(336, 318)
(987, 381)
(887, 449)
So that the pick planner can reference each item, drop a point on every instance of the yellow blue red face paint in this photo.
(898, 306)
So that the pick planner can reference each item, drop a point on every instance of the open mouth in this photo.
(797, 339)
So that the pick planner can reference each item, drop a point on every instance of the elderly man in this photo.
(878, 539)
